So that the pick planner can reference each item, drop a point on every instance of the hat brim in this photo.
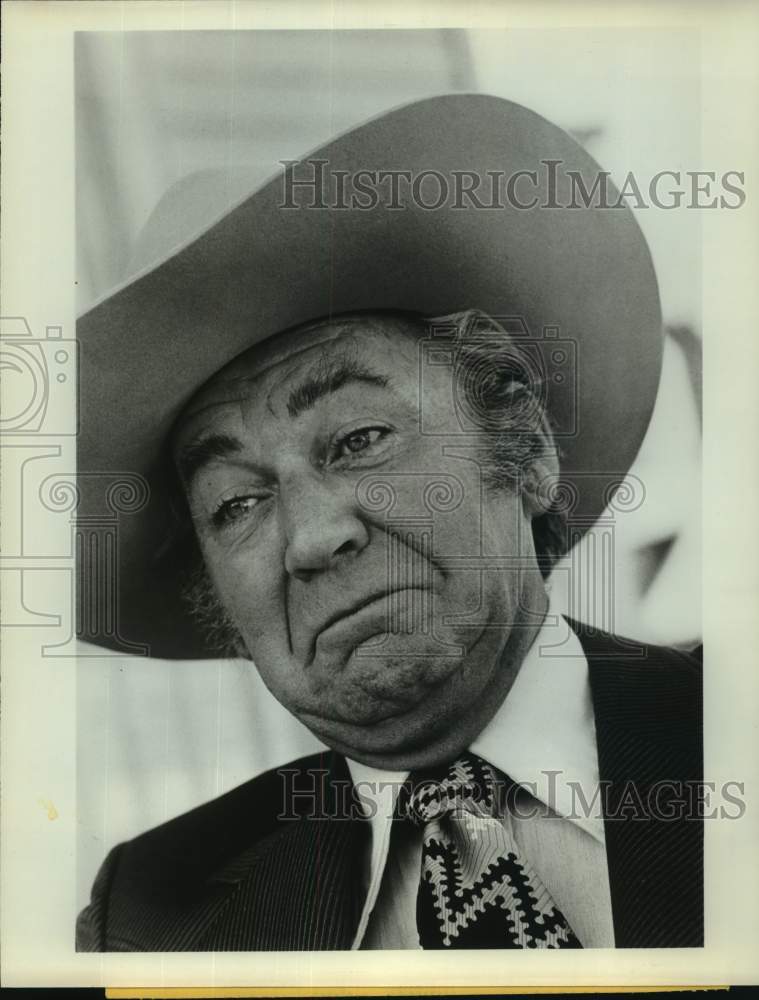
(585, 275)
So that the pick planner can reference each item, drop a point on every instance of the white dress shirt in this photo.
(543, 738)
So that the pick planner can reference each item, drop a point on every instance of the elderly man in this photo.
(369, 427)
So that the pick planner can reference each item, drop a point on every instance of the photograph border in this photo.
(39, 820)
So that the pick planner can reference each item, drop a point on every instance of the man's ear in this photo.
(539, 481)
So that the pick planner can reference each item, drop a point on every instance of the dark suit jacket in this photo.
(232, 876)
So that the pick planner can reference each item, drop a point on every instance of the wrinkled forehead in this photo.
(288, 352)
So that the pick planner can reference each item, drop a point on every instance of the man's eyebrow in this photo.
(332, 376)
(198, 454)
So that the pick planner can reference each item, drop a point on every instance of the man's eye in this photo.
(358, 441)
(233, 509)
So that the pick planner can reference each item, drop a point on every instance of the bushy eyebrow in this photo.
(333, 375)
(200, 453)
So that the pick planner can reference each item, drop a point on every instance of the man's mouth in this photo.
(381, 612)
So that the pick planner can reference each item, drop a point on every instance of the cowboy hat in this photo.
(257, 262)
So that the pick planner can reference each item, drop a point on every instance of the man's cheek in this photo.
(256, 610)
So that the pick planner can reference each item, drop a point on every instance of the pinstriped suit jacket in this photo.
(234, 875)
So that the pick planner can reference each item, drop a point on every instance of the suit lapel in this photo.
(650, 750)
(298, 888)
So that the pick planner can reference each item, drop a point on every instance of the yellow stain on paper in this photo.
(436, 992)
(52, 812)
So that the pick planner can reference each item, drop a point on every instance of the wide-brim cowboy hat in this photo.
(256, 266)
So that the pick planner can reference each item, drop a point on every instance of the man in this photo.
(369, 427)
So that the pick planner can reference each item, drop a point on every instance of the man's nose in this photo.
(322, 526)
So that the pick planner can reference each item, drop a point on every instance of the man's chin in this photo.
(371, 689)
(374, 728)
(383, 743)
(397, 743)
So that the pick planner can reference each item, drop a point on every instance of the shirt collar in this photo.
(542, 736)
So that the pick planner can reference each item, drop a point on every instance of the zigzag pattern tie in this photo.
(475, 891)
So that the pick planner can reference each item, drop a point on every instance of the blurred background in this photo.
(157, 738)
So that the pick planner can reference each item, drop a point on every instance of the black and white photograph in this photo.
(362, 488)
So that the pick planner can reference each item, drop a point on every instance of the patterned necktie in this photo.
(475, 891)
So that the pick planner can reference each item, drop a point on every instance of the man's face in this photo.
(384, 595)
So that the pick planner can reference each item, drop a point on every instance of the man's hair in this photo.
(498, 393)
(500, 389)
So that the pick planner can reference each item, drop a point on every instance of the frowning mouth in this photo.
(351, 615)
